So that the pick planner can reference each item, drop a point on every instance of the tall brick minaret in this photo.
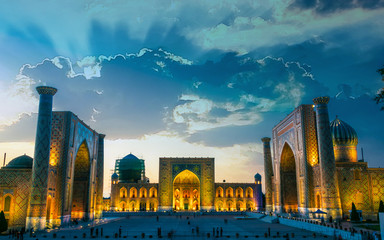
(330, 198)
(268, 173)
(37, 209)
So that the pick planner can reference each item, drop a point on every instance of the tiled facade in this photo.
(65, 182)
(185, 184)
(304, 153)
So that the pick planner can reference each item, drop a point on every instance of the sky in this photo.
(191, 78)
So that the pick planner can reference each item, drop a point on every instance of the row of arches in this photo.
(234, 206)
(134, 193)
(135, 206)
(239, 193)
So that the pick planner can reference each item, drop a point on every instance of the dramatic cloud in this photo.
(214, 76)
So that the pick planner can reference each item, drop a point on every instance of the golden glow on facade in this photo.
(186, 189)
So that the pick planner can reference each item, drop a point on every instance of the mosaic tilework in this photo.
(268, 172)
(377, 181)
(353, 189)
(41, 157)
(17, 183)
(330, 191)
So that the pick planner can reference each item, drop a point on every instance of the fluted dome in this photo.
(23, 161)
(342, 133)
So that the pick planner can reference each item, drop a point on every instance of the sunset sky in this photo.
(191, 78)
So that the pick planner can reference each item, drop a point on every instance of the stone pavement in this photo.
(181, 227)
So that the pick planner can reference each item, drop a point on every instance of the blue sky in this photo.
(201, 78)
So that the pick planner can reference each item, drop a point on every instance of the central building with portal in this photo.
(185, 184)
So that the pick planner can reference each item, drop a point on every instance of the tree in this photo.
(380, 95)
(3, 223)
(381, 209)
(354, 215)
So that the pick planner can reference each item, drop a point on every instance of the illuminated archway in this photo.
(123, 192)
(219, 192)
(186, 192)
(239, 192)
(133, 192)
(143, 192)
(229, 192)
(123, 206)
(80, 186)
(152, 192)
(288, 180)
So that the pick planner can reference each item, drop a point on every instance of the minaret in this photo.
(268, 173)
(100, 177)
(37, 209)
(258, 195)
(330, 198)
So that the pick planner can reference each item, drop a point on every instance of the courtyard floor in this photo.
(180, 227)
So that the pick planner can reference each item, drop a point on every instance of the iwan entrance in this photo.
(186, 192)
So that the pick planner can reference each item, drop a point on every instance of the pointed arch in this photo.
(239, 192)
(123, 192)
(186, 189)
(229, 192)
(81, 183)
(123, 206)
(7, 203)
(133, 192)
(288, 180)
(143, 192)
(219, 192)
(153, 192)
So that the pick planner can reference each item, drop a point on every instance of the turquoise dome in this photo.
(343, 133)
(130, 169)
(23, 161)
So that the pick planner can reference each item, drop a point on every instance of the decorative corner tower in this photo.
(37, 209)
(330, 198)
(114, 191)
(344, 141)
(268, 173)
(258, 195)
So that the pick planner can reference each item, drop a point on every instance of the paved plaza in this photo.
(181, 227)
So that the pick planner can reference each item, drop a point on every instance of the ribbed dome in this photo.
(22, 161)
(342, 133)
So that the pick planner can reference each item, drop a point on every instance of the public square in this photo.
(181, 227)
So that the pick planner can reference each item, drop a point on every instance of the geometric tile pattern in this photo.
(323, 183)
(17, 183)
(38, 199)
(329, 185)
(268, 173)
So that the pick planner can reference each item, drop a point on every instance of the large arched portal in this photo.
(80, 192)
(186, 192)
(288, 180)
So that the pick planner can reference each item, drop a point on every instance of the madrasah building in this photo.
(315, 166)
(185, 184)
(64, 180)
